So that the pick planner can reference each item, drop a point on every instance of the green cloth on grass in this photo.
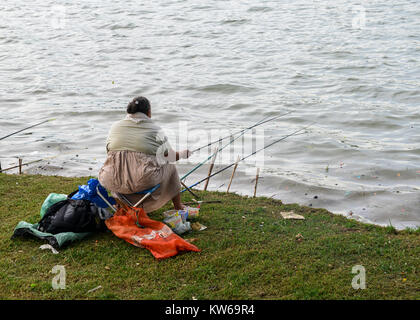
(55, 240)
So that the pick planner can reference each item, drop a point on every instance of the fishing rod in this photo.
(242, 132)
(214, 154)
(37, 124)
(264, 120)
(265, 147)
(219, 149)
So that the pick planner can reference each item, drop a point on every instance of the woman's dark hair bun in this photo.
(139, 104)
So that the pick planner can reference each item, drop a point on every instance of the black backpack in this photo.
(72, 216)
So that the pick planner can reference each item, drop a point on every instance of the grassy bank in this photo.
(248, 252)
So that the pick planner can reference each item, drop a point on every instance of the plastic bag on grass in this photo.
(188, 213)
(177, 223)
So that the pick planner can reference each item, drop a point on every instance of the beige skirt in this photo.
(128, 172)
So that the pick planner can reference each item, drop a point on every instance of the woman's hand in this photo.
(184, 154)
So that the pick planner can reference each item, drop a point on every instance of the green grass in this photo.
(248, 252)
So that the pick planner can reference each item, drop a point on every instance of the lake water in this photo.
(352, 67)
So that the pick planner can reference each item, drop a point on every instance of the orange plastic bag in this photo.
(155, 236)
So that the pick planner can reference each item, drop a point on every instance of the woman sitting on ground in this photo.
(139, 157)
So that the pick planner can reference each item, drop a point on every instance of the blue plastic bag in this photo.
(88, 192)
